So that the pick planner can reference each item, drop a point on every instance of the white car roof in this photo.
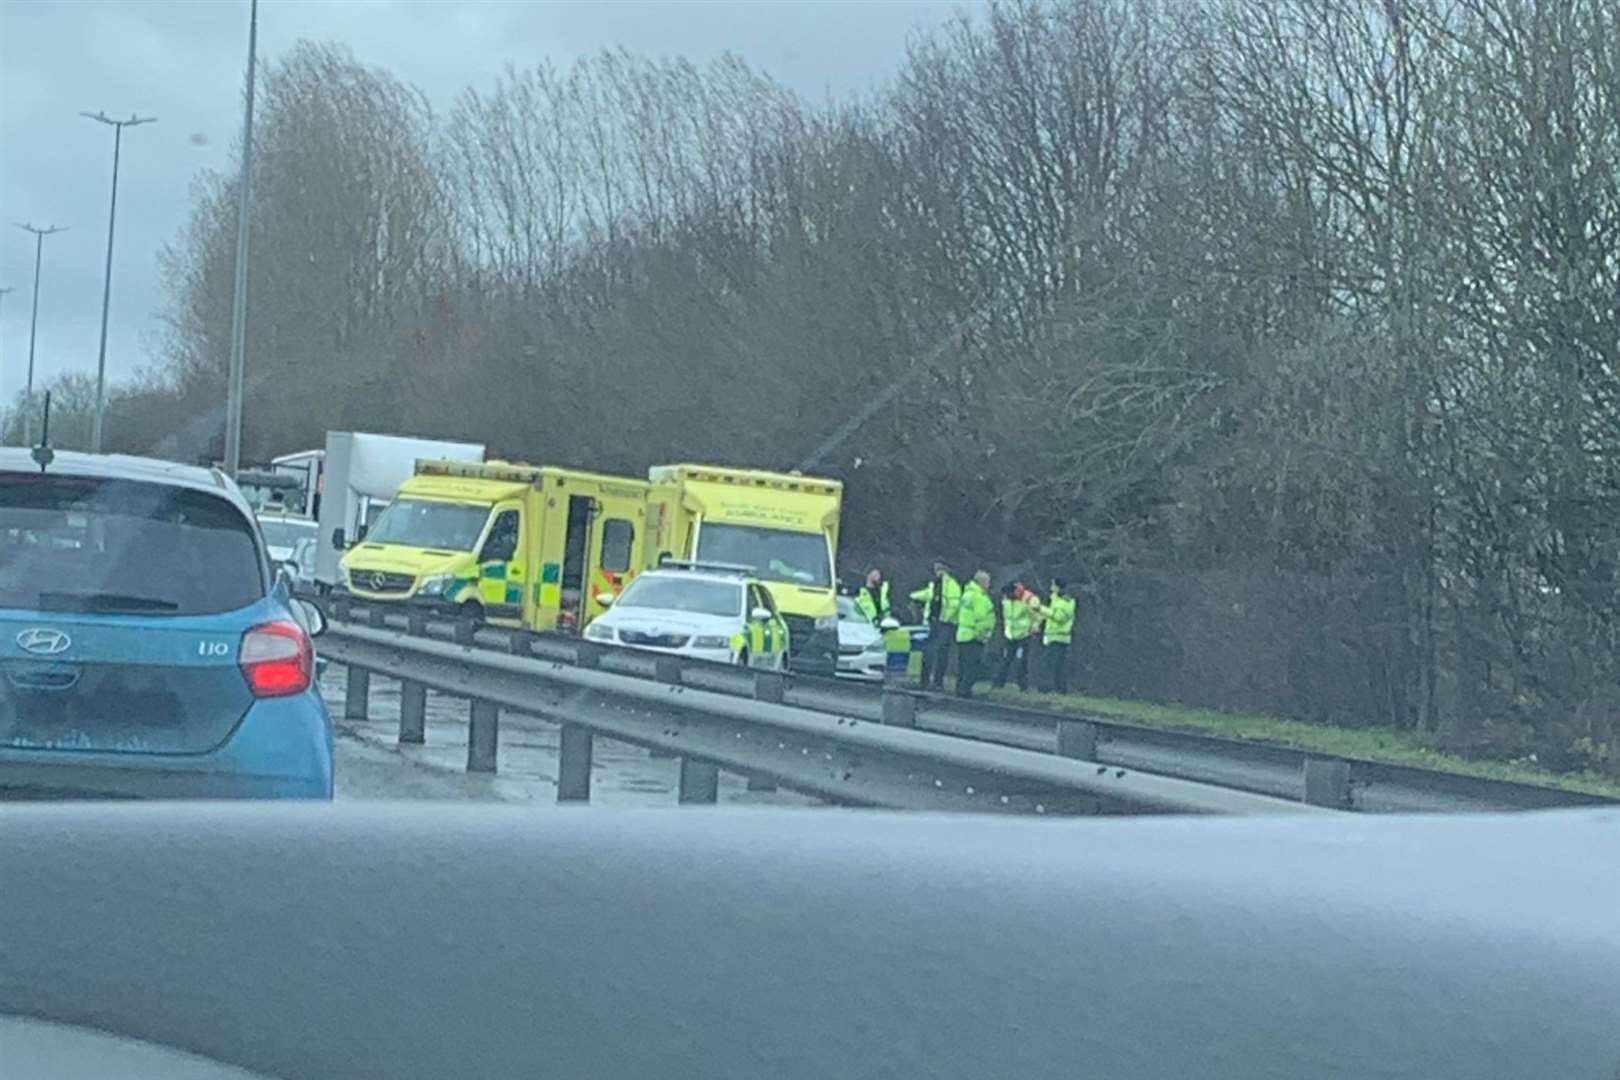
(128, 467)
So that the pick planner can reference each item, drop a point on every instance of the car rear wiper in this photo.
(103, 602)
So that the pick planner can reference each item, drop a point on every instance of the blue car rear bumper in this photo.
(282, 749)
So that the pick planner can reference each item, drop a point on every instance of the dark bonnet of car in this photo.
(402, 942)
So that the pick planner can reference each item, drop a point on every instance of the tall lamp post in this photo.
(33, 325)
(3, 292)
(233, 394)
(118, 127)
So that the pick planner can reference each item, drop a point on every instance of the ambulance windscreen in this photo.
(424, 523)
(801, 558)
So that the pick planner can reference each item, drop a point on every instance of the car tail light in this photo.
(277, 659)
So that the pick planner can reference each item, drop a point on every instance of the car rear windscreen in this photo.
(73, 543)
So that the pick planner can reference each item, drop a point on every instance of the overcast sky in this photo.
(183, 61)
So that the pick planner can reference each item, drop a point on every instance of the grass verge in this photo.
(1373, 744)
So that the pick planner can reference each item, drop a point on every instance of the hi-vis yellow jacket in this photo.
(950, 598)
(976, 617)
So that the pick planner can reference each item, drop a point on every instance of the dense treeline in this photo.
(1287, 328)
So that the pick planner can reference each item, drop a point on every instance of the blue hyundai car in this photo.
(148, 649)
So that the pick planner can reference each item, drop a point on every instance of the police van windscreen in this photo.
(425, 523)
(85, 544)
(774, 554)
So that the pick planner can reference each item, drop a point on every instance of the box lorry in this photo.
(358, 475)
(782, 526)
(513, 544)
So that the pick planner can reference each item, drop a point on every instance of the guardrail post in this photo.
(377, 616)
(667, 669)
(1327, 782)
(339, 607)
(518, 643)
(465, 629)
(899, 708)
(588, 654)
(770, 686)
(574, 764)
(483, 735)
(1077, 739)
(700, 781)
(412, 713)
(355, 693)
(416, 623)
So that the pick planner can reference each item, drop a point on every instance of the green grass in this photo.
(1373, 744)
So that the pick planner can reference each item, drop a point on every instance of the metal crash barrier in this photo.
(842, 759)
(1286, 774)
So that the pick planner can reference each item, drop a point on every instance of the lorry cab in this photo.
(513, 544)
(782, 526)
(271, 492)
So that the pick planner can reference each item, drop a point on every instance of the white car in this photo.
(712, 614)
(301, 564)
(282, 533)
(861, 652)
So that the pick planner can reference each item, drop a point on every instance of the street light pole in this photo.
(118, 127)
(233, 395)
(33, 326)
(8, 288)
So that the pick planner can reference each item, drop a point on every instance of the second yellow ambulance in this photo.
(781, 527)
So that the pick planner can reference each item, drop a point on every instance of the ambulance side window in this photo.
(503, 538)
(618, 537)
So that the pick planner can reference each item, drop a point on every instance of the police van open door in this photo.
(590, 546)
(579, 512)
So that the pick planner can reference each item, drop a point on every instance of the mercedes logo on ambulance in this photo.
(43, 641)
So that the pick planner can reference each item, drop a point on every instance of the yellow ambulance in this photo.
(783, 527)
(530, 545)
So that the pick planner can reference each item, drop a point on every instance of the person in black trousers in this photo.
(1057, 633)
(939, 600)
(975, 627)
(1016, 623)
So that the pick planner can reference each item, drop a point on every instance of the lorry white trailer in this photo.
(359, 475)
